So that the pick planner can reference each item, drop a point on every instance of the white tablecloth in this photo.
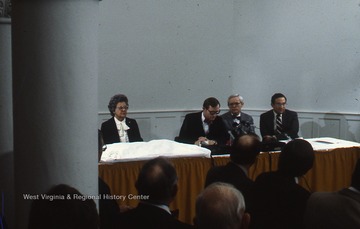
(330, 143)
(147, 150)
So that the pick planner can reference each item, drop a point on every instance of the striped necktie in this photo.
(279, 128)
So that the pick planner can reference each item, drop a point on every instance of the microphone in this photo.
(232, 137)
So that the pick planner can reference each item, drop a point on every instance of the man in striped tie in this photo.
(279, 123)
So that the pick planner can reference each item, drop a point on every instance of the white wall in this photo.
(169, 55)
(165, 54)
(308, 49)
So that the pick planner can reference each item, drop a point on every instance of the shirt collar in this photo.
(354, 189)
(161, 206)
(275, 114)
(118, 121)
(236, 116)
(243, 168)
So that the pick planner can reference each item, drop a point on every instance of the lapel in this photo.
(285, 118)
(113, 125)
(128, 122)
(200, 123)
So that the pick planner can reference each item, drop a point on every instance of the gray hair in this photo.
(234, 96)
(220, 205)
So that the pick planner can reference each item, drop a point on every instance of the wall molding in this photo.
(225, 110)
(4, 20)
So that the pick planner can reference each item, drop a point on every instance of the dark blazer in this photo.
(150, 217)
(234, 175)
(111, 135)
(192, 129)
(246, 123)
(333, 210)
(290, 124)
(278, 202)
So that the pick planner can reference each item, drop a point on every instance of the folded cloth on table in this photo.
(147, 150)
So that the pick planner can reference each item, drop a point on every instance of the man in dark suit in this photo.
(157, 187)
(332, 210)
(243, 154)
(120, 128)
(236, 121)
(279, 201)
(205, 127)
(279, 123)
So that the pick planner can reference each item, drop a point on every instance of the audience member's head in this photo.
(157, 180)
(355, 180)
(245, 149)
(222, 206)
(296, 158)
(63, 207)
(118, 98)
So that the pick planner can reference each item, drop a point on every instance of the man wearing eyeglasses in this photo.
(237, 122)
(204, 128)
(279, 123)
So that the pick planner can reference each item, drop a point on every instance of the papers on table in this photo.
(330, 143)
(326, 143)
(135, 151)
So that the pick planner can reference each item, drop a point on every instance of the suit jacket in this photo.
(150, 217)
(192, 129)
(246, 123)
(332, 210)
(232, 174)
(290, 124)
(111, 135)
(278, 202)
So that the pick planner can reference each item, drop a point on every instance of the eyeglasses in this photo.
(280, 104)
(123, 108)
(213, 112)
(233, 104)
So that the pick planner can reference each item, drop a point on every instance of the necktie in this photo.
(236, 120)
(206, 126)
(278, 129)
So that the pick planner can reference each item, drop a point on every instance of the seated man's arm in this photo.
(294, 126)
(265, 128)
(186, 134)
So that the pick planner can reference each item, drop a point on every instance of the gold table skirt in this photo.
(332, 171)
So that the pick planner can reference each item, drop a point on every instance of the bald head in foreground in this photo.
(157, 188)
(243, 154)
(221, 205)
